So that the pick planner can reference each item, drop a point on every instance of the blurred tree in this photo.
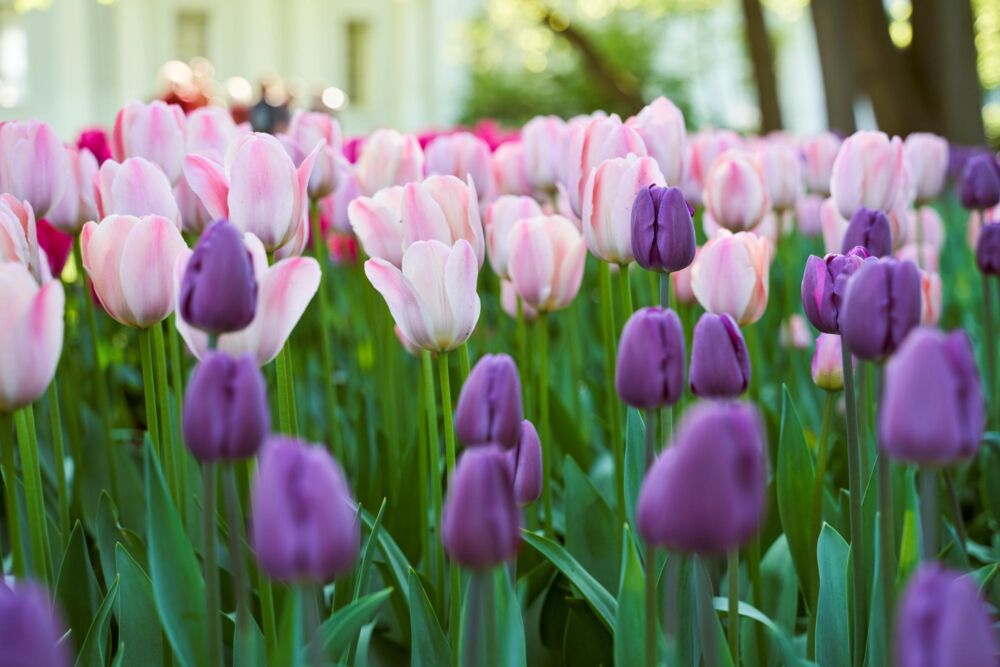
(839, 84)
(762, 58)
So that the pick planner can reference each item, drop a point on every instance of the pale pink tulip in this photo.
(510, 171)
(781, 168)
(34, 165)
(827, 363)
(194, 216)
(209, 131)
(19, 237)
(682, 283)
(443, 208)
(300, 238)
(259, 189)
(924, 255)
(433, 298)
(730, 275)
(378, 223)
(333, 208)
(501, 216)
(607, 205)
(926, 158)
(794, 333)
(78, 203)
(818, 155)
(930, 298)
(135, 187)
(406, 342)
(307, 130)
(31, 335)
(154, 131)
(834, 226)
(767, 228)
(703, 149)
(130, 262)
(508, 301)
(389, 158)
(465, 156)
(547, 256)
(807, 214)
(735, 194)
(284, 290)
(660, 124)
(542, 137)
(589, 144)
(926, 226)
(868, 172)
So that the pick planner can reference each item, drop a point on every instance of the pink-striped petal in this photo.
(147, 264)
(285, 291)
(402, 299)
(208, 180)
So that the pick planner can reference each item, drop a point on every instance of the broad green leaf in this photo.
(138, 625)
(779, 585)
(394, 569)
(586, 641)
(590, 526)
(875, 648)
(289, 650)
(369, 552)
(507, 611)
(248, 645)
(833, 646)
(76, 587)
(337, 632)
(909, 549)
(630, 620)
(92, 651)
(430, 646)
(795, 475)
(789, 656)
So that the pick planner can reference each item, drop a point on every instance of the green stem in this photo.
(177, 385)
(434, 459)
(625, 287)
(887, 547)
(733, 617)
(650, 557)
(236, 554)
(264, 590)
(989, 343)
(463, 361)
(455, 582)
(614, 415)
(309, 598)
(523, 363)
(212, 611)
(13, 516)
(34, 494)
(422, 472)
(284, 400)
(822, 454)
(854, 481)
(956, 512)
(543, 410)
(326, 335)
(170, 454)
(293, 410)
(706, 615)
(753, 570)
(59, 452)
(928, 513)
(149, 390)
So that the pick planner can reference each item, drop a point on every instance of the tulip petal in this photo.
(149, 254)
(399, 294)
(378, 228)
(460, 273)
(207, 179)
(263, 187)
(423, 218)
(33, 342)
(102, 245)
(285, 291)
(532, 261)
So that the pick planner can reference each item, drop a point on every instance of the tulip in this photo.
(135, 187)
(31, 335)
(681, 281)
(707, 493)
(980, 185)
(794, 333)
(542, 137)
(284, 289)
(55, 244)
(720, 364)
(489, 406)
(548, 256)
(834, 226)
(78, 204)
(480, 522)
(259, 189)
(378, 223)
(526, 463)
(130, 261)
(827, 363)
(943, 621)
(333, 208)
(510, 172)
(660, 125)
(307, 130)
(194, 216)
(703, 149)
(591, 143)
(930, 298)
(303, 520)
(730, 275)
(19, 237)
(433, 298)
(443, 208)
(154, 131)
(926, 158)
(781, 167)
(868, 172)
(988, 250)
(649, 373)
(389, 158)
(31, 632)
(824, 285)
(808, 214)
(932, 409)
(662, 230)
(34, 165)
(870, 230)
(95, 140)
(219, 289)
(465, 156)
(208, 131)
(501, 216)
(226, 415)
(735, 195)
(509, 299)
(818, 155)
(881, 305)
(608, 199)
(924, 256)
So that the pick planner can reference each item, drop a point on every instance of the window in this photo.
(192, 34)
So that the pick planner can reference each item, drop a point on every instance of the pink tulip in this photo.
(607, 205)
(154, 131)
(284, 290)
(443, 208)
(465, 156)
(31, 335)
(589, 144)
(508, 301)
(735, 194)
(782, 170)
(510, 171)
(868, 172)
(730, 275)
(547, 258)
(78, 203)
(930, 298)
(130, 261)
(660, 124)
(135, 187)
(834, 226)
(926, 226)
(296, 245)
(827, 363)
(807, 214)
(768, 227)
(924, 255)
(926, 158)
(818, 154)
(307, 130)
(378, 223)
(433, 298)
(333, 208)
(682, 283)
(34, 165)
(209, 131)
(19, 237)
(194, 216)
(259, 189)
(542, 137)
(389, 158)
(501, 216)
(794, 333)
(703, 149)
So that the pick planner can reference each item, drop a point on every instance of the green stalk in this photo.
(625, 288)
(170, 452)
(34, 494)
(293, 410)
(309, 597)
(650, 559)
(455, 582)
(543, 409)
(433, 448)
(614, 415)
(326, 335)
(422, 472)
(706, 614)
(928, 513)
(284, 408)
(523, 362)
(956, 512)
(59, 451)
(177, 385)
(990, 344)
(463, 361)
(854, 481)
(264, 590)
(822, 454)
(149, 392)
(753, 570)
(209, 563)
(887, 546)
(10, 495)
(236, 554)
(733, 617)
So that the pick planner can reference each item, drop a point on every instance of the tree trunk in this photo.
(763, 66)
(836, 63)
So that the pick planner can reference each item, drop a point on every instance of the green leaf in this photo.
(635, 461)
(92, 651)
(289, 650)
(789, 656)
(430, 646)
(178, 587)
(138, 625)
(590, 526)
(630, 628)
(395, 571)
(369, 552)
(337, 632)
(595, 594)
(507, 611)
(76, 586)
(779, 585)
(833, 645)
(795, 475)
(248, 645)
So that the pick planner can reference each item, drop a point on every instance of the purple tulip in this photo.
(720, 365)
(869, 229)
(304, 524)
(489, 407)
(480, 522)
(226, 414)
(650, 369)
(980, 186)
(944, 622)
(526, 463)
(219, 288)
(30, 630)
(824, 283)
(988, 249)
(881, 306)
(932, 409)
(707, 493)
(662, 229)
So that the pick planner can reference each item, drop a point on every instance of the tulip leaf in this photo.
(789, 656)
(138, 626)
(248, 645)
(795, 476)
(630, 628)
(394, 569)
(76, 586)
(635, 461)
(590, 525)
(429, 645)
(593, 592)
(92, 649)
(833, 646)
(337, 632)
(507, 611)
(779, 585)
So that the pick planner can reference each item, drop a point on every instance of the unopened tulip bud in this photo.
(153, 131)
(827, 363)
(781, 166)
(870, 230)
(988, 249)
(608, 199)
(926, 158)
(526, 462)
(389, 158)
(500, 218)
(489, 406)
(730, 275)
(219, 288)
(735, 195)
(819, 154)
(881, 306)
(868, 172)
(542, 137)
(808, 214)
(662, 229)
(720, 365)
(660, 124)
(31, 632)
(824, 284)
(464, 156)
(794, 333)
(980, 186)
(34, 164)
(650, 369)
(547, 261)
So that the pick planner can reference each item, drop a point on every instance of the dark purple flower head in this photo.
(881, 306)
(988, 249)
(226, 414)
(720, 365)
(980, 187)
(489, 406)
(943, 621)
(662, 229)
(932, 409)
(304, 523)
(650, 369)
(707, 492)
(526, 465)
(824, 283)
(480, 523)
(219, 287)
(869, 229)
(30, 630)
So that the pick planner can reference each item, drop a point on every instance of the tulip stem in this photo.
(887, 545)
(236, 555)
(734, 606)
(524, 364)
(956, 512)
(928, 513)
(650, 557)
(177, 384)
(34, 494)
(149, 392)
(614, 415)
(284, 422)
(822, 453)
(13, 516)
(422, 468)
(326, 336)
(990, 344)
(706, 614)
(434, 449)
(212, 611)
(455, 582)
(543, 411)
(170, 453)
(463, 361)
(59, 454)
(308, 595)
(854, 482)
